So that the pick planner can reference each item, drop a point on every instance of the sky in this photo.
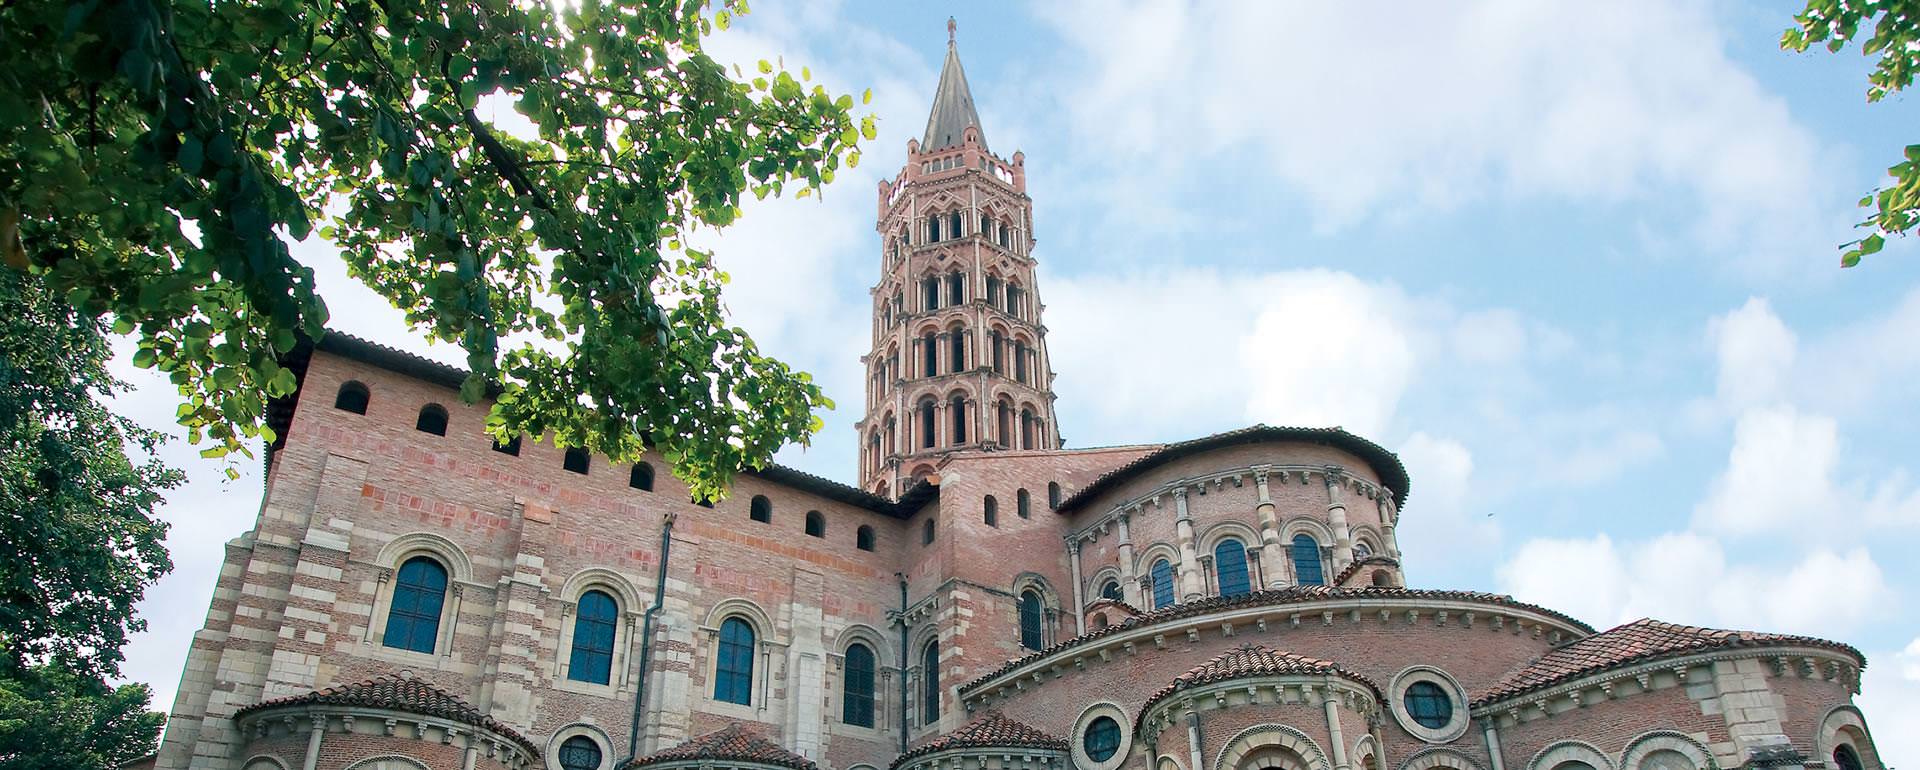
(1575, 263)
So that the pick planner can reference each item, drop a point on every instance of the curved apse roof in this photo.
(1384, 463)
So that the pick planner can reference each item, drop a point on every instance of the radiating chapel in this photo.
(415, 595)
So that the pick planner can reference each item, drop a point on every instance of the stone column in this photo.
(316, 731)
(1389, 518)
(1494, 760)
(1337, 516)
(1272, 553)
(1334, 734)
(1129, 578)
(1190, 587)
(1079, 591)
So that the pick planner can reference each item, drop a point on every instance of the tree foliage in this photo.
(1889, 29)
(76, 513)
(157, 156)
(50, 717)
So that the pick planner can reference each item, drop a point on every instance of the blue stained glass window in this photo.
(1306, 562)
(1230, 561)
(1162, 573)
(1102, 739)
(856, 699)
(413, 621)
(733, 673)
(593, 639)
(1032, 636)
(1429, 705)
(579, 753)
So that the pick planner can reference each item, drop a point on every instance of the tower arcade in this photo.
(959, 356)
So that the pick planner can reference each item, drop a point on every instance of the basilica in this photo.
(415, 595)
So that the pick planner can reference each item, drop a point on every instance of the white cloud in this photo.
(1452, 105)
(1441, 516)
(1755, 351)
(1826, 593)
(1779, 474)
(1890, 697)
(1326, 350)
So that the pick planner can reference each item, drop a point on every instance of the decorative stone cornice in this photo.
(1662, 673)
(302, 718)
(1154, 499)
(1311, 691)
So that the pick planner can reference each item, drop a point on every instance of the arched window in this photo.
(1230, 562)
(816, 524)
(1032, 630)
(956, 288)
(1306, 561)
(986, 224)
(575, 461)
(993, 291)
(953, 224)
(579, 753)
(930, 683)
(1053, 494)
(933, 229)
(1845, 758)
(863, 538)
(419, 592)
(1006, 241)
(512, 447)
(593, 639)
(1162, 575)
(956, 350)
(930, 293)
(926, 532)
(1005, 421)
(733, 672)
(432, 419)
(926, 424)
(352, 397)
(929, 355)
(996, 354)
(1022, 503)
(958, 408)
(1111, 590)
(992, 508)
(856, 688)
(1020, 362)
(760, 509)
(1028, 431)
(1382, 579)
(641, 477)
(1361, 550)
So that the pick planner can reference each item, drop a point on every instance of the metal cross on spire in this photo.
(951, 26)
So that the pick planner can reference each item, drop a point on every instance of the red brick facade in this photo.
(917, 555)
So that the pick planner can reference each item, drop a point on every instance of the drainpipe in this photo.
(646, 639)
(904, 693)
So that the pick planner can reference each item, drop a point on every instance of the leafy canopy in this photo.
(76, 513)
(50, 717)
(1893, 34)
(156, 157)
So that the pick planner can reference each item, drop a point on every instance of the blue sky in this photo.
(1574, 262)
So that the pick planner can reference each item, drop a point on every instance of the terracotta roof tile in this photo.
(733, 743)
(992, 730)
(396, 693)
(1641, 640)
(1275, 597)
(1372, 558)
(1250, 660)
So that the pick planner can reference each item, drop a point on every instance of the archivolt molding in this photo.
(615, 583)
(1439, 757)
(1834, 731)
(408, 545)
(1662, 673)
(1672, 740)
(1270, 735)
(387, 762)
(1312, 527)
(1569, 751)
(1211, 537)
(1160, 497)
(263, 762)
(1309, 691)
(1366, 747)
(1143, 562)
(1049, 598)
(745, 608)
(865, 634)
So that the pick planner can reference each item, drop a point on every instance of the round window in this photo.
(1429, 705)
(579, 753)
(1102, 738)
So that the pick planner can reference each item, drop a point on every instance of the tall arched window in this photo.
(1022, 503)
(958, 408)
(1006, 238)
(1162, 575)
(593, 638)
(1111, 590)
(956, 349)
(1230, 562)
(992, 511)
(954, 225)
(986, 224)
(926, 424)
(1306, 561)
(933, 229)
(419, 592)
(760, 509)
(1020, 362)
(930, 683)
(995, 354)
(641, 477)
(432, 419)
(352, 397)
(816, 524)
(926, 532)
(1053, 494)
(1032, 630)
(956, 288)
(1005, 428)
(733, 672)
(1028, 430)
(576, 460)
(1845, 758)
(929, 355)
(863, 538)
(993, 290)
(856, 688)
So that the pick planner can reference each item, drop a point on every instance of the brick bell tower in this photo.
(959, 356)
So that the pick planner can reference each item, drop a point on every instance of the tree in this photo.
(156, 157)
(76, 513)
(55, 718)
(1895, 38)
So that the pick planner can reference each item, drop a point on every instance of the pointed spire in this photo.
(952, 104)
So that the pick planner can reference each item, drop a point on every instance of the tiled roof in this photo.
(1392, 474)
(1635, 642)
(1252, 660)
(733, 743)
(396, 693)
(992, 730)
(1275, 597)
(1372, 558)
